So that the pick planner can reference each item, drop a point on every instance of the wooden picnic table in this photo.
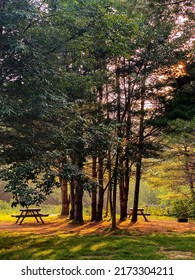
(140, 211)
(28, 213)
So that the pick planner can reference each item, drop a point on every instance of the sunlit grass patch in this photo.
(76, 248)
(46, 254)
(99, 246)
(6, 218)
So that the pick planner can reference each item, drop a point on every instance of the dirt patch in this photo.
(52, 226)
(177, 255)
(163, 226)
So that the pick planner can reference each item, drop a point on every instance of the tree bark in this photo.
(116, 166)
(121, 189)
(64, 195)
(109, 164)
(101, 190)
(137, 187)
(78, 204)
(139, 158)
(109, 192)
(115, 190)
(107, 202)
(124, 203)
(94, 190)
(72, 198)
(124, 192)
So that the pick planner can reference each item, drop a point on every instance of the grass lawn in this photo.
(112, 246)
(32, 242)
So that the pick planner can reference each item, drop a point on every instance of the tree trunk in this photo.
(115, 191)
(107, 202)
(64, 195)
(137, 187)
(124, 189)
(124, 192)
(124, 202)
(78, 204)
(101, 190)
(116, 166)
(139, 158)
(121, 189)
(109, 192)
(94, 190)
(72, 198)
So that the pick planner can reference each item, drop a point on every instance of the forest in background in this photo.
(97, 97)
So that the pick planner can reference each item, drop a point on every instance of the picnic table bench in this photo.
(140, 211)
(29, 213)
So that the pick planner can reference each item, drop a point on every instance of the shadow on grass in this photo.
(105, 247)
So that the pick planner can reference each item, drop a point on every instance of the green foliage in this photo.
(181, 208)
(182, 105)
(192, 208)
(4, 207)
(30, 108)
(182, 132)
(99, 139)
(158, 210)
(29, 183)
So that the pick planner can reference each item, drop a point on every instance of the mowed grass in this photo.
(109, 245)
(29, 246)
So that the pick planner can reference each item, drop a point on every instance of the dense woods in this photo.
(97, 97)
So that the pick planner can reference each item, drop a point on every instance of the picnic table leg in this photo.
(37, 216)
(130, 214)
(41, 220)
(144, 216)
(22, 218)
(18, 219)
